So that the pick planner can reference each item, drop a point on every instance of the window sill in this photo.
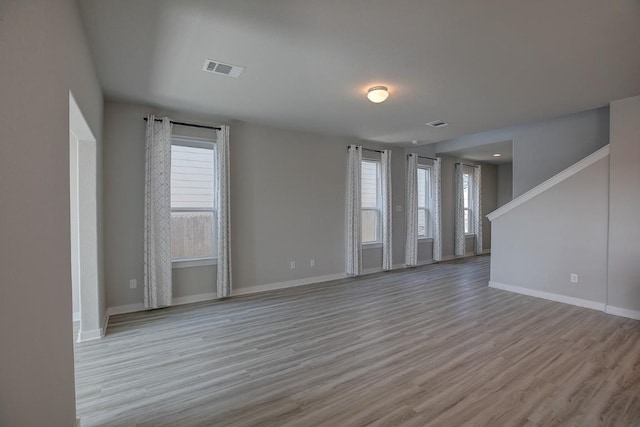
(372, 245)
(425, 239)
(195, 262)
(470, 235)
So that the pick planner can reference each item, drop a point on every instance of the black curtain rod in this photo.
(422, 157)
(367, 149)
(464, 164)
(187, 124)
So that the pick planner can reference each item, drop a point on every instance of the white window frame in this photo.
(378, 208)
(429, 204)
(184, 141)
(471, 189)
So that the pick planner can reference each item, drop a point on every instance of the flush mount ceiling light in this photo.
(377, 94)
(437, 124)
(497, 155)
(414, 142)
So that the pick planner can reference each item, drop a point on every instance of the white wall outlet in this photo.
(133, 283)
(313, 263)
(293, 265)
(574, 278)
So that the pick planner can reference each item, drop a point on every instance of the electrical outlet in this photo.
(313, 263)
(133, 283)
(293, 265)
(574, 278)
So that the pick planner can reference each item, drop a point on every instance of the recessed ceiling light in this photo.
(377, 94)
(497, 155)
(414, 142)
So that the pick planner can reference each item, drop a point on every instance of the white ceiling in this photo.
(478, 65)
(484, 153)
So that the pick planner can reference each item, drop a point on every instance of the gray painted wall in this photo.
(287, 203)
(624, 269)
(36, 360)
(561, 231)
(543, 149)
(505, 184)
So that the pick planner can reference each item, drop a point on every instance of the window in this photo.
(371, 202)
(193, 214)
(467, 192)
(424, 202)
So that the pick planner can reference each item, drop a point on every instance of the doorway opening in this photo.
(84, 225)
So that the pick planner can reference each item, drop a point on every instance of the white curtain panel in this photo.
(436, 210)
(477, 208)
(224, 217)
(387, 209)
(353, 251)
(157, 214)
(459, 212)
(411, 248)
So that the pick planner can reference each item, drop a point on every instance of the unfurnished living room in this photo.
(319, 213)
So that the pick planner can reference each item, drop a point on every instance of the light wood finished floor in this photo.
(427, 346)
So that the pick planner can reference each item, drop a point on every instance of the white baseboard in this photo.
(380, 269)
(124, 309)
(616, 311)
(287, 284)
(420, 263)
(133, 308)
(94, 334)
(90, 335)
(450, 257)
(594, 305)
(105, 323)
(194, 298)
(623, 312)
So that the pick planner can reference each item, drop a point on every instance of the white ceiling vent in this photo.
(218, 67)
(437, 124)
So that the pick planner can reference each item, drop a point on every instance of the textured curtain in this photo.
(436, 210)
(157, 213)
(477, 208)
(387, 209)
(353, 260)
(223, 205)
(459, 219)
(411, 248)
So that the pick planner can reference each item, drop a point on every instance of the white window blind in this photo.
(371, 203)
(424, 202)
(193, 213)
